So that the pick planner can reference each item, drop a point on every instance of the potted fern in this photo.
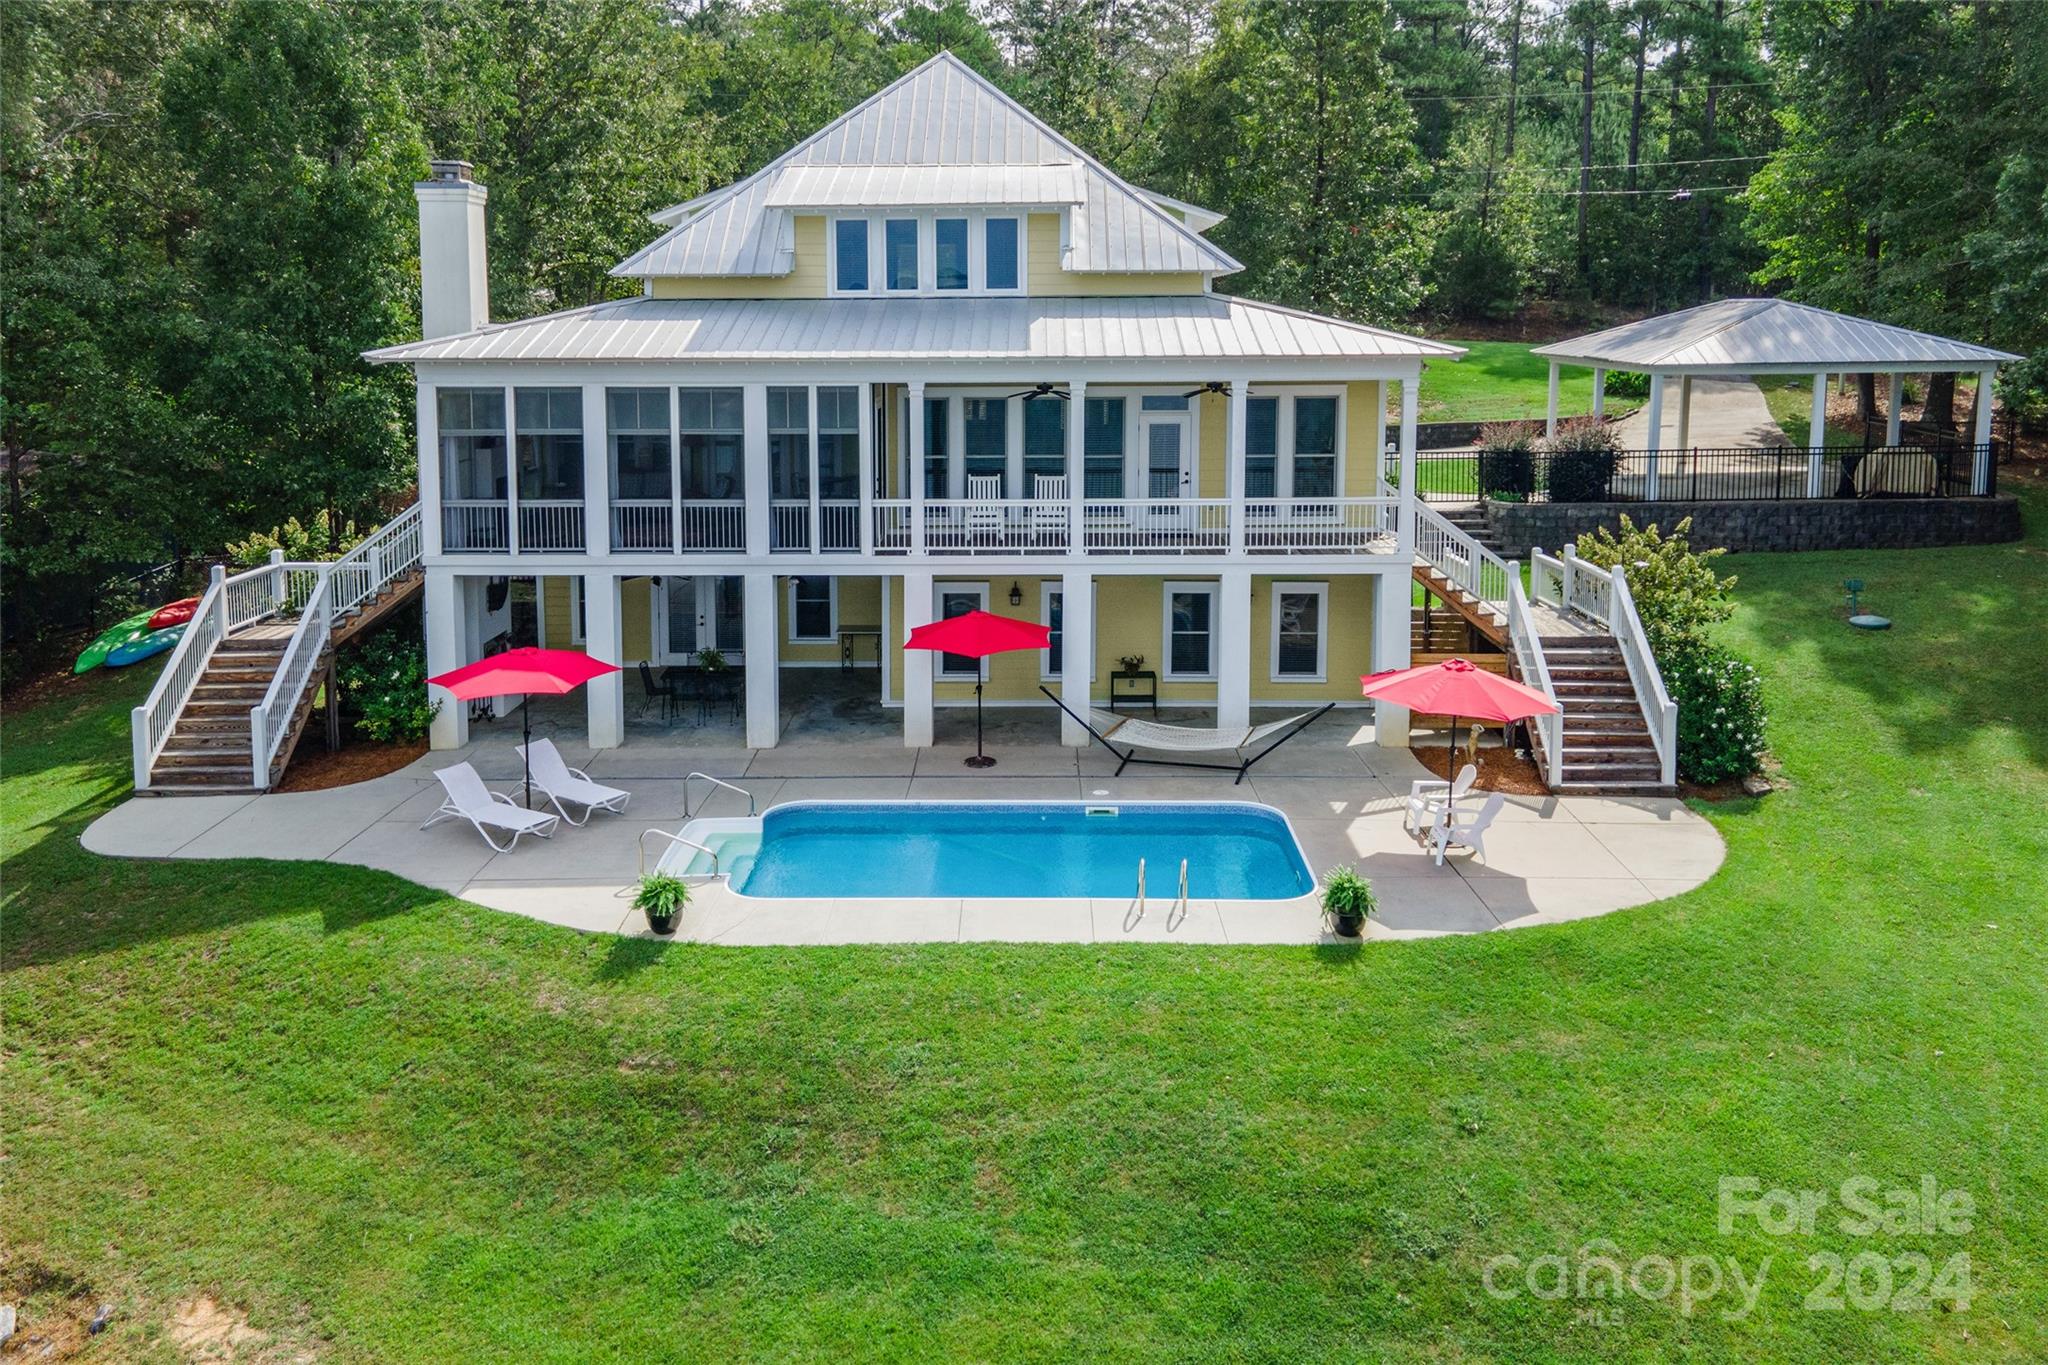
(1347, 900)
(661, 898)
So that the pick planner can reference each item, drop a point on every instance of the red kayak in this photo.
(173, 613)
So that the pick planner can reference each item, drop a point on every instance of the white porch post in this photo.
(917, 663)
(1550, 404)
(1392, 609)
(1599, 393)
(1816, 435)
(426, 417)
(604, 638)
(1684, 441)
(597, 474)
(1077, 651)
(764, 683)
(1893, 398)
(675, 468)
(511, 471)
(1980, 457)
(1656, 434)
(1234, 650)
(916, 446)
(1077, 475)
(755, 483)
(1233, 463)
(814, 460)
(1404, 525)
(446, 630)
(867, 440)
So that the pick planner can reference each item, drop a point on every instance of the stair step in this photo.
(1604, 755)
(178, 785)
(231, 774)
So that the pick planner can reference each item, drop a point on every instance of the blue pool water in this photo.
(1235, 851)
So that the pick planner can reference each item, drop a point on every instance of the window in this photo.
(1102, 448)
(1045, 441)
(789, 443)
(577, 617)
(1191, 630)
(550, 443)
(637, 424)
(711, 445)
(957, 599)
(1315, 447)
(936, 468)
(1261, 447)
(899, 253)
(1052, 601)
(949, 251)
(1000, 242)
(850, 254)
(472, 426)
(813, 603)
(1298, 645)
(839, 443)
(985, 439)
(1163, 402)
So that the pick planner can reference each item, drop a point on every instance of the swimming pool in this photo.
(1234, 850)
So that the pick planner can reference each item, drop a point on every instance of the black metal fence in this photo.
(1697, 474)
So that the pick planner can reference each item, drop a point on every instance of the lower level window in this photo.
(957, 599)
(1190, 630)
(1299, 613)
(810, 607)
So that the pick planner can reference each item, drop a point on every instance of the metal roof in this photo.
(938, 119)
(1737, 336)
(1190, 326)
(821, 187)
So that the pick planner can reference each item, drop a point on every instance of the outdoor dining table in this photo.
(708, 687)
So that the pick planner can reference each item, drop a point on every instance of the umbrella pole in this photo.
(980, 759)
(526, 742)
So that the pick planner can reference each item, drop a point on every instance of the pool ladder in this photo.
(1180, 906)
(716, 782)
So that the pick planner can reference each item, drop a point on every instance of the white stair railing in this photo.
(1463, 560)
(230, 602)
(1535, 670)
(1660, 713)
(391, 552)
(270, 719)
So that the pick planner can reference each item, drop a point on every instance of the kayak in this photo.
(150, 645)
(116, 635)
(174, 613)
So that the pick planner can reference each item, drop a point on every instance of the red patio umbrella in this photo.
(1455, 688)
(523, 673)
(978, 634)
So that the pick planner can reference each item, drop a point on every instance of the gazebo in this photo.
(1773, 336)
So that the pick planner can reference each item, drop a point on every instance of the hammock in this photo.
(1137, 734)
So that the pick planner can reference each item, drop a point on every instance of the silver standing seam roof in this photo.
(1737, 336)
(1159, 327)
(938, 120)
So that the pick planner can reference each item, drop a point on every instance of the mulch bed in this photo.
(314, 769)
(1499, 770)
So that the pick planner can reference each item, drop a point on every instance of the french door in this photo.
(700, 613)
(1166, 441)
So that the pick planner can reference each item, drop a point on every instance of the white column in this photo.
(446, 629)
(1684, 441)
(915, 437)
(1550, 404)
(1816, 435)
(1656, 435)
(1892, 400)
(1077, 468)
(426, 416)
(604, 638)
(1077, 651)
(1391, 610)
(1234, 650)
(917, 663)
(1233, 463)
(754, 463)
(1599, 393)
(1013, 447)
(511, 471)
(867, 439)
(815, 460)
(764, 683)
(597, 474)
(1980, 462)
(1405, 523)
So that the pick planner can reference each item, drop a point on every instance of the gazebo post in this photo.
(1980, 452)
(1656, 434)
(1599, 393)
(1684, 442)
(1550, 409)
(1893, 398)
(1816, 435)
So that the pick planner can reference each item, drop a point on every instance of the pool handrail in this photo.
(716, 782)
(676, 839)
(1141, 888)
(1182, 905)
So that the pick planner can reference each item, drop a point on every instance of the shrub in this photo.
(1583, 460)
(299, 541)
(385, 677)
(1677, 593)
(1628, 384)
(1507, 467)
(1720, 700)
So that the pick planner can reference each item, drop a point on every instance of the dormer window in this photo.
(949, 260)
(938, 253)
(899, 236)
(1001, 271)
(850, 255)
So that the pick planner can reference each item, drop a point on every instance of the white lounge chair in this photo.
(1430, 797)
(469, 799)
(559, 783)
(1467, 833)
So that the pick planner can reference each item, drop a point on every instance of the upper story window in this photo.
(710, 425)
(949, 257)
(1045, 443)
(949, 253)
(937, 467)
(850, 255)
(1102, 448)
(1261, 447)
(985, 445)
(1000, 254)
(472, 427)
(637, 423)
(1315, 447)
(550, 443)
(899, 245)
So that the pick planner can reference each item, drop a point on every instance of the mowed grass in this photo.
(387, 1125)
(1497, 381)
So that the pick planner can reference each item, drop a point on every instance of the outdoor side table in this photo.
(849, 641)
(1143, 687)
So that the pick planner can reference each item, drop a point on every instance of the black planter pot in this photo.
(1350, 926)
(661, 924)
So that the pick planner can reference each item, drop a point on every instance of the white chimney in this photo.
(455, 289)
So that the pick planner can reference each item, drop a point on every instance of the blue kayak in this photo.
(150, 645)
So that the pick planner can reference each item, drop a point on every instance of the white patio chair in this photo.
(468, 799)
(984, 509)
(1049, 508)
(559, 783)
(1430, 797)
(1467, 833)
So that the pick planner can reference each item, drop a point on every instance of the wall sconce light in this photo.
(1016, 595)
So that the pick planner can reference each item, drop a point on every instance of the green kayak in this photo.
(134, 628)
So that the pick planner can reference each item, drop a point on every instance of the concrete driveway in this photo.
(1726, 412)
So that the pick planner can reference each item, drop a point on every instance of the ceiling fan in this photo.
(1042, 390)
(1213, 386)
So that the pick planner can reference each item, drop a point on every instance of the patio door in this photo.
(702, 613)
(1166, 440)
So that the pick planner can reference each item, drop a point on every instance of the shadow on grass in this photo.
(628, 957)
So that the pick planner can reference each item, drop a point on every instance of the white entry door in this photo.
(703, 613)
(1166, 442)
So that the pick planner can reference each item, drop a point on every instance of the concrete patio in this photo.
(1548, 859)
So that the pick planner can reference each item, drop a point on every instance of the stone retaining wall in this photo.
(1793, 524)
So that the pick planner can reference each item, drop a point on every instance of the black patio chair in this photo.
(662, 690)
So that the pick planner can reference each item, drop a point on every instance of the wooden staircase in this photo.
(1607, 745)
(1484, 617)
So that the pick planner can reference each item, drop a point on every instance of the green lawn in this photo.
(1790, 399)
(1498, 380)
(392, 1126)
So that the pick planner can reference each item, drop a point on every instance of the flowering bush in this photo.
(1720, 700)
(385, 679)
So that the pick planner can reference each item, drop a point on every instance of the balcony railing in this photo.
(714, 527)
(789, 525)
(469, 526)
(553, 524)
(643, 524)
(1288, 526)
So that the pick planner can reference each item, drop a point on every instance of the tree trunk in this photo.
(1635, 108)
(1709, 60)
(1585, 154)
(1939, 411)
(1514, 77)
(1866, 397)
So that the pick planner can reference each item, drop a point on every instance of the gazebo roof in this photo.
(1767, 336)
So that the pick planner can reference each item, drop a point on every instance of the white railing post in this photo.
(279, 587)
(1568, 576)
(138, 746)
(1234, 462)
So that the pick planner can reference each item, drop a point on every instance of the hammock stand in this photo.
(1144, 734)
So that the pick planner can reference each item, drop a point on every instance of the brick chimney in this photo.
(455, 289)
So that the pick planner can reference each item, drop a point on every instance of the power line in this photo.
(1650, 92)
(1506, 168)
(1473, 197)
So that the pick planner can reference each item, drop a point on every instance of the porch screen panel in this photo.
(1102, 448)
(1261, 447)
(789, 443)
(1045, 441)
(1315, 447)
(636, 420)
(550, 443)
(713, 461)
(839, 443)
(986, 439)
(936, 467)
(472, 427)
